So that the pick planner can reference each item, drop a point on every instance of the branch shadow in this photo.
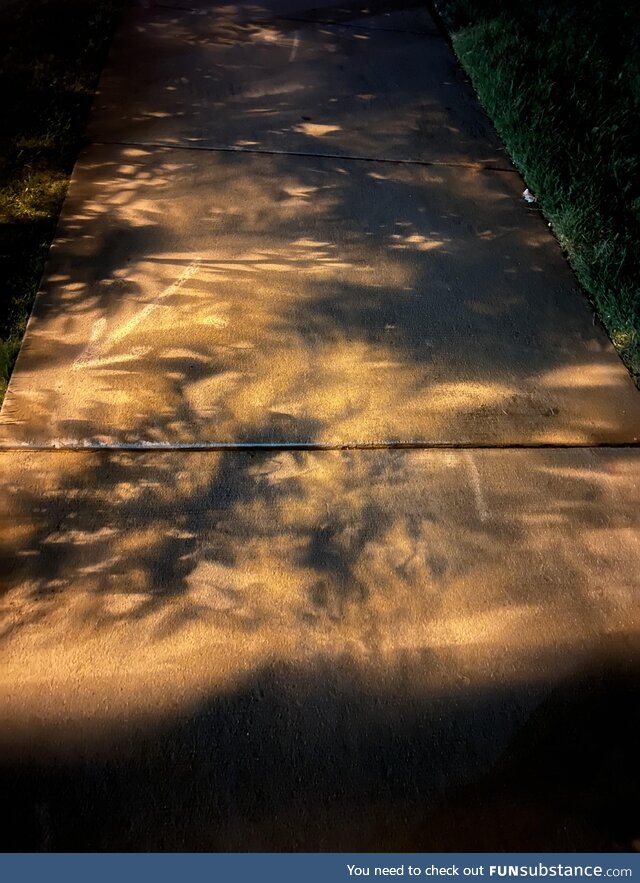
(216, 295)
(289, 650)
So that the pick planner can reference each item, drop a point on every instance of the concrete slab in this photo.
(279, 85)
(348, 651)
(341, 650)
(197, 298)
(399, 15)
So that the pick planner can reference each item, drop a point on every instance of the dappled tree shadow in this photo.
(223, 81)
(308, 300)
(360, 541)
(219, 297)
(313, 649)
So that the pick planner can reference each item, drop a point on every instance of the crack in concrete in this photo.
(161, 145)
(151, 447)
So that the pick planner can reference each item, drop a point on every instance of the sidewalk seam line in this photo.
(311, 447)
(158, 145)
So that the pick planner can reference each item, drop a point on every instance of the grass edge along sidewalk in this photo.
(51, 55)
(561, 82)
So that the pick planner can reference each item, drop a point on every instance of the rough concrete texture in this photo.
(214, 298)
(364, 650)
(283, 85)
(321, 650)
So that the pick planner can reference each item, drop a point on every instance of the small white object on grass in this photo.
(528, 196)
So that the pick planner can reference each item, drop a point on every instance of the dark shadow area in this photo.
(343, 651)
(405, 15)
(235, 78)
(51, 52)
(378, 13)
(558, 80)
(365, 650)
(296, 759)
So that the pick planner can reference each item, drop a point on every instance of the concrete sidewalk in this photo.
(295, 228)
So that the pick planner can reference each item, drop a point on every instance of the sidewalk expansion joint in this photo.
(255, 447)
(162, 145)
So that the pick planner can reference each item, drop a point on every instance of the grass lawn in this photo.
(51, 52)
(561, 82)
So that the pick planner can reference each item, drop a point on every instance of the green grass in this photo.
(51, 52)
(561, 82)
